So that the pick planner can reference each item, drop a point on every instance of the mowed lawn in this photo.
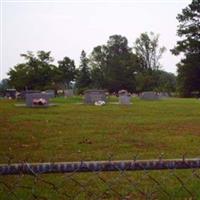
(73, 131)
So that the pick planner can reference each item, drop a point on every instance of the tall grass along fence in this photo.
(127, 179)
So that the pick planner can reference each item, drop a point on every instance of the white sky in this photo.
(66, 27)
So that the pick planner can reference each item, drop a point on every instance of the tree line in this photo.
(115, 65)
(112, 66)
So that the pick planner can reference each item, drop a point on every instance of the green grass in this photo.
(145, 128)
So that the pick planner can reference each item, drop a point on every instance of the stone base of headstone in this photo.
(23, 105)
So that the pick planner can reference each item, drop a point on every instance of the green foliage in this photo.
(155, 80)
(35, 73)
(113, 65)
(166, 82)
(67, 71)
(189, 67)
(4, 84)
(83, 79)
(189, 76)
(147, 49)
(38, 72)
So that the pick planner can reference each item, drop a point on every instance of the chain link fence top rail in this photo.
(131, 179)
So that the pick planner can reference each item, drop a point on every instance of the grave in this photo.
(51, 93)
(11, 93)
(149, 96)
(163, 95)
(68, 93)
(37, 100)
(22, 94)
(92, 96)
(124, 97)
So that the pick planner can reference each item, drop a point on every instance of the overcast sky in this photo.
(66, 27)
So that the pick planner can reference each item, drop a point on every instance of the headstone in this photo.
(68, 93)
(60, 92)
(23, 94)
(37, 100)
(163, 95)
(124, 97)
(92, 96)
(11, 93)
(149, 96)
(51, 93)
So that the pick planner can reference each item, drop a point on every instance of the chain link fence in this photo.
(132, 179)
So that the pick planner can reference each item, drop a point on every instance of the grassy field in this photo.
(73, 131)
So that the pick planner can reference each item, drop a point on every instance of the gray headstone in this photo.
(149, 96)
(23, 94)
(37, 100)
(124, 97)
(92, 96)
(51, 93)
(11, 93)
(69, 93)
(163, 95)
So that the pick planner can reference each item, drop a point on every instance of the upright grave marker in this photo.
(92, 96)
(163, 95)
(68, 93)
(51, 93)
(124, 97)
(37, 100)
(11, 93)
(22, 94)
(149, 96)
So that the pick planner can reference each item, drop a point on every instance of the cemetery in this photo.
(74, 131)
(111, 128)
(85, 117)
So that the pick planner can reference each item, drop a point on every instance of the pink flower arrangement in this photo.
(39, 101)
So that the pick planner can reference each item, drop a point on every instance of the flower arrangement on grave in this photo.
(39, 101)
(99, 103)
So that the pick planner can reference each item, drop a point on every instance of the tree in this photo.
(147, 49)
(67, 71)
(19, 76)
(4, 85)
(114, 65)
(83, 79)
(166, 81)
(188, 80)
(35, 73)
(156, 80)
